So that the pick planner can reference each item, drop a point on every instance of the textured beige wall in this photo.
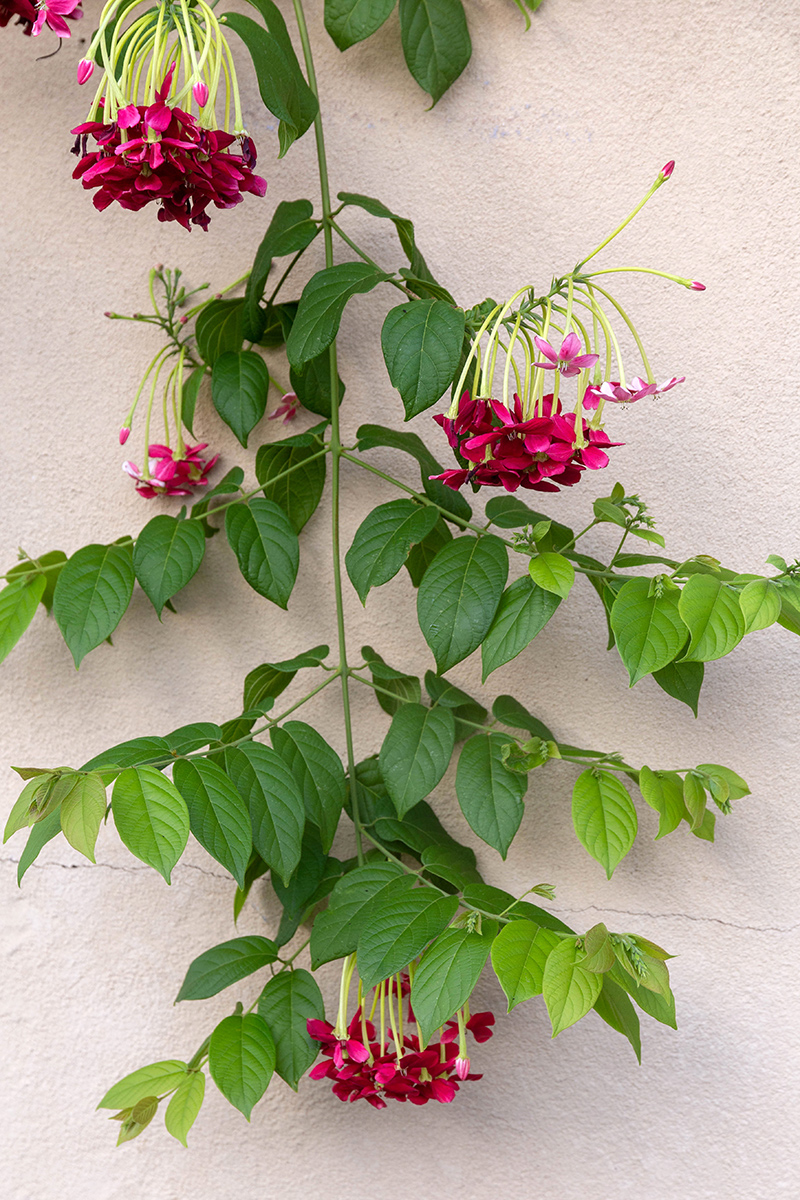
(543, 144)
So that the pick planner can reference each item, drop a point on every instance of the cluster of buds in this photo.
(390, 1062)
(34, 17)
(156, 65)
(528, 438)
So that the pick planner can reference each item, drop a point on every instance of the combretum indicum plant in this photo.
(525, 388)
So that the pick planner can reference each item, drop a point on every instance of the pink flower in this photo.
(696, 286)
(171, 476)
(200, 93)
(85, 70)
(462, 1067)
(52, 13)
(289, 404)
(660, 388)
(567, 360)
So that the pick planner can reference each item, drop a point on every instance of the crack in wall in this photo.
(115, 867)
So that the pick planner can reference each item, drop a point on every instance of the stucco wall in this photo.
(535, 154)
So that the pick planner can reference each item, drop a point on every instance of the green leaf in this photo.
(649, 535)
(648, 628)
(134, 753)
(312, 384)
(467, 712)
(694, 797)
(423, 553)
(217, 813)
(552, 572)
(436, 42)
(35, 802)
(50, 565)
(510, 712)
(419, 278)
(421, 343)
(663, 791)
(415, 753)
(399, 929)
(218, 329)
(351, 21)
(519, 954)
(660, 1008)
(459, 596)
(507, 512)
(524, 610)
(280, 80)
(184, 1106)
(241, 1059)
(569, 990)
(222, 966)
(299, 493)
(239, 389)
(43, 832)
(712, 613)
(489, 794)
(277, 811)
(287, 1002)
(152, 1080)
(606, 510)
(270, 679)
(370, 436)
(317, 771)
(604, 817)
(405, 688)
(682, 681)
(452, 863)
(151, 817)
(289, 230)
(496, 901)
(314, 879)
(18, 603)
(383, 540)
(188, 738)
(191, 389)
(760, 602)
(617, 1011)
(266, 547)
(94, 588)
(321, 306)
(737, 788)
(167, 554)
(336, 931)
(82, 813)
(447, 974)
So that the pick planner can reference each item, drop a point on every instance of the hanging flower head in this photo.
(34, 16)
(151, 148)
(530, 438)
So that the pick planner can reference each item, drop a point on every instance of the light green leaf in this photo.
(604, 818)
(694, 797)
(383, 540)
(519, 954)
(297, 494)
(447, 974)
(524, 610)
(18, 603)
(336, 931)
(43, 832)
(436, 42)
(552, 572)
(648, 629)
(760, 602)
(737, 788)
(266, 547)
(321, 306)
(398, 930)
(167, 554)
(415, 753)
(218, 329)
(241, 1059)
(658, 1007)
(94, 588)
(82, 813)
(489, 794)
(184, 1106)
(222, 966)
(663, 791)
(277, 811)
(318, 773)
(287, 1002)
(239, 389)
(153, 1080)
(151, 817)
(421, 343)
(351, 21)
(459, 596)
(217, 813)
(715, 620)
(569, 991)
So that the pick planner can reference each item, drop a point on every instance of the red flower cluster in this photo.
(171, 476)
(511, 452)
(370, 1071)
(155, 152)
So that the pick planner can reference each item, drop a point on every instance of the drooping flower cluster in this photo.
(392, 1064)
(33, 17)
(502, 449)
(149, 145)
(171, 472)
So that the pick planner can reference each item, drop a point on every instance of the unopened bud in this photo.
(217, 295)
(158, 267)
(667, 169)
(124, 434)
(85, 68)
(462, 1067)
(200, 93)
(182, 320)
(696, 286)
(110, 315)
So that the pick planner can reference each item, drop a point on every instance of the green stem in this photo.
(369, 261)
(335, 444)
(393, 695)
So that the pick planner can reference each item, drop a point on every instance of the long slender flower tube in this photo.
(157, 65)
(529, 438)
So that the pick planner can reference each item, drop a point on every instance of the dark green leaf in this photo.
(239, 389)
(312, 384)
(604, 817)
(648, 628)
(370, 436)
(510, 712)
(287, 1002)
(217, 814)
(270, 679)
(318, 772)
(436, 42)
(336, 930)
(272, 795)
(452, 864)
(682, 681)
(189, 394)
(219, 329)
(134, 753)
(383, 540)
(167, 554)
(467, 712)
(299, 493)
(415, 753)
(241, 1059)
(459, 596)
(524, 610)
(494, 900)
(189, 738)
(421, 343)
(423, 553)
(351, 21)
(419, 278)
(94, 588)
(447, 974)
(310, 876)
(322, 304)
(289, 230)
(398, 930)
(519, 953)
(151, 817)
(266, 547)
(222, 966)
(489, 794)
(405, 688)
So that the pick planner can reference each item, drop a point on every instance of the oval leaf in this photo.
(241, 1059)
(715, 620)
(648, 629)
(277, 811)
(421, 343)
(18, 603)
(167, 554)
(298, 493)
(184, 1106)
(287, 1002)
(399, 929)
(224, 965)
(663, 791)
(266, 547)
(336, 931)
(436, 42)
(239, 389)
(604, 818)
(351, 21)
(218, 329)
(519, 954)
(760, 602)
(151, 817)
(383, 540)
(217, 814)
(322, 304)
(152, 1080)
(569, 990)
(447, 974)
(415, 753)
(82, 814)
(489, 794)
(318, 772)
(94, 588)
(524, 610)
(459, 596)
(552, 572)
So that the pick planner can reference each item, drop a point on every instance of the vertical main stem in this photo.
(336, 443)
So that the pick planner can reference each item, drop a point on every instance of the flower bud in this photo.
(85, 68)
(124, 434)
(462, 1067)
(182, 320)
(667, 169)
(696, 286)
(200, 93)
